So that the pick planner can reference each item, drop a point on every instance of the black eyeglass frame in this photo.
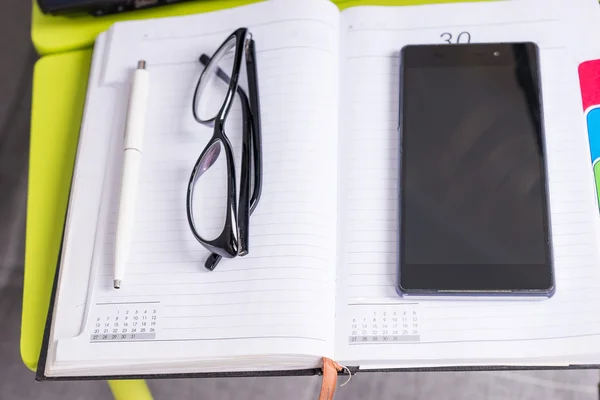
(233, 239)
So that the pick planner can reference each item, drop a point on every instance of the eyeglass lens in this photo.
(212, 90)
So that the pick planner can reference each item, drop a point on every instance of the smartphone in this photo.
(473, 193)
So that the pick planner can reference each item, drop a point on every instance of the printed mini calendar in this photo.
(386, 324)
(123, 322)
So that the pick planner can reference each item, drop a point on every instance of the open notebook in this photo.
(319, 279)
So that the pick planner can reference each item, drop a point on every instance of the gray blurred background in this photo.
(17, 58)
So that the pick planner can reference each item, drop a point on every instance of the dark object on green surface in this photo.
(98, 7)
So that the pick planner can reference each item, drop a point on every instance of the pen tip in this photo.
(117, 283)
(141, 64)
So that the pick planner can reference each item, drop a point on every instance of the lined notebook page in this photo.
(277, 300)
(368, 309)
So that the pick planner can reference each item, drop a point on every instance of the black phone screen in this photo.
(473, 191)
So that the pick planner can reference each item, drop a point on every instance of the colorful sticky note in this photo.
(589, 79)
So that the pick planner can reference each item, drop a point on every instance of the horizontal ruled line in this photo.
(128, 302)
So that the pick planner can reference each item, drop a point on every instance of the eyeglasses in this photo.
(221, 223)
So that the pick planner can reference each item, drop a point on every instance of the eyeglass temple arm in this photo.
(256, 124)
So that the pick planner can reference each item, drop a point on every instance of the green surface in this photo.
(130, 390)
(52, 34)
(59, 88)
(60, 83)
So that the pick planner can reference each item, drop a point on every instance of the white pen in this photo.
(132, 158)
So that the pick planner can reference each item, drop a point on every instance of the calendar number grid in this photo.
(385, 326)
(125, 322)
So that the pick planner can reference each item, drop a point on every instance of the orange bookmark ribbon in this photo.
(330, 372)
